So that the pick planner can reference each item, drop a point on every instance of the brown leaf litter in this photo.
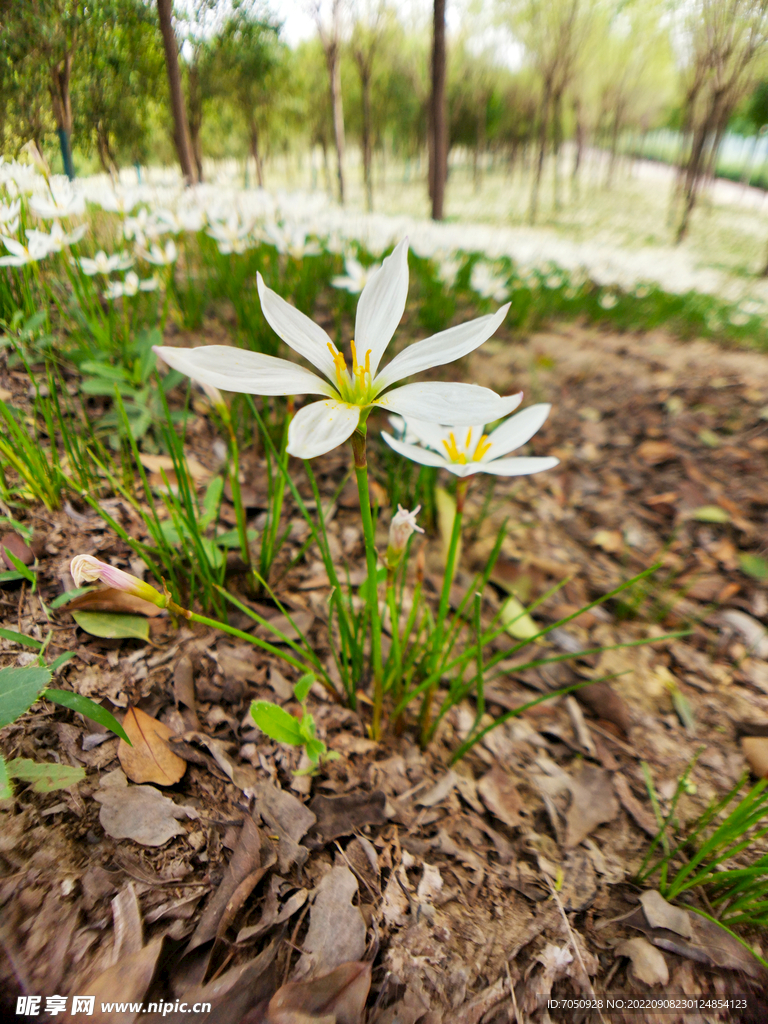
(393, 887)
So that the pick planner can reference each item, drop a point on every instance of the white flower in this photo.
(160, 257)
(20, 255)
(465, 453)
(357, 277)
(608, 300)
(292, 241)
(487, 284)
(9, 212)
(143, 226)
(118, 202)
(57, 239)
(321, 426)
(232, 236)
(190, 218)
(130, 286)
(63, 202)
(448, 270)
(103, 264)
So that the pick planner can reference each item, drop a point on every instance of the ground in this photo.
(461, 892)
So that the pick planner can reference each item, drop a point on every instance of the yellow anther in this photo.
(338, 361)
(453, 452)
(483, 446)
(354, 356)
(469, 438)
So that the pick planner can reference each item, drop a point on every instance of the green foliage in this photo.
(19, 689)
(283, 727)
(45, 776)
(708, 852)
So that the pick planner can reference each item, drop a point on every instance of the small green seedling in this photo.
(283, 727)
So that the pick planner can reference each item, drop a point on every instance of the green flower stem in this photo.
(372, 590)
(425, 713)
(185, 613)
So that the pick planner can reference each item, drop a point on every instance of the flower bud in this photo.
(400, 529)
(87, 569)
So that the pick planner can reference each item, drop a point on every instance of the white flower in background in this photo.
(131, 286)
(160, 256)
(401, 429)
(20, 255)
(185, 218)
(466, 452)
(103, 264)
(21, 177)
(608, 300)
(291, 240)
(62, 202)
(357, 277)
(753, 307)
(121, 202)
(323, 425)
(448, 270)
(553, 281)
(642, 291)
(738, 317)
(487, 284)
(143, 226)
(10, 212)
(231, 236)
(58, 238)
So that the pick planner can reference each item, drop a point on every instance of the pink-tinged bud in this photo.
(400, 529)
(214, 396)
(87, 569)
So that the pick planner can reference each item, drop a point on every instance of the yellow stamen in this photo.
(469, 438)
(338, 361)
(453, 452)
(483, 446)
(354, 356)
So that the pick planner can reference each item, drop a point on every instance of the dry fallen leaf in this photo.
(655, 452)
(149, 759)
(110, 600)
(141, 813)
(338, 996)
(499, 794)
(593, 803)
(336, 931)
(648, 964)
(156, 463)
(756, 752)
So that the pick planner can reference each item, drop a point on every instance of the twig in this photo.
(576, 950)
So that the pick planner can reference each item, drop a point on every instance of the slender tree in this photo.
(438, 114)
(366, 40)
(178, 106)
(329, 29)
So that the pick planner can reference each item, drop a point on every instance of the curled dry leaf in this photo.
(338, 996)
(648, 963)
(149, 759)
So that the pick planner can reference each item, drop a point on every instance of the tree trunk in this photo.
(255, 152)
(61, 102)
(195, 119)
(365, 85)
(333, 60)
(614, 148)
(480, 142)
(539, 168)
(557, 142)
(105, 155)
(438, 150)
(178, 108)
(579, 147)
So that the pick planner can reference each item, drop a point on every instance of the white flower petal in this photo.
(381, 305)
(250, 373)
(441, 348)
(297, 330)
(516, 431)
(431, 434)
(455, 405)
(424, 456)
(321, 426)
(516, 466)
